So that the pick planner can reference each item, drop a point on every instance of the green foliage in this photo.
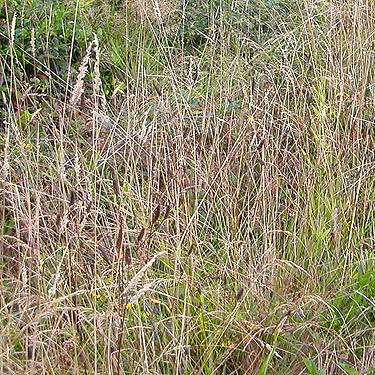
(354, 309)
(241, 21)
(45, 33)
(311, 367)
(352, 371)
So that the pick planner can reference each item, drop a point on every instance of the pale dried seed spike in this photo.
(134, 281)
(32, 43)
(79, 86)
(157, 11)
(146, 288)
(97, 79)
(12, 30)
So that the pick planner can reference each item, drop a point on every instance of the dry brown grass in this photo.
(169, 230)
(155, 10)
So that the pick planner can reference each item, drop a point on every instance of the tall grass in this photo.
(195, 198)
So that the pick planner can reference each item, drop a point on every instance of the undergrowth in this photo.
(187, 188)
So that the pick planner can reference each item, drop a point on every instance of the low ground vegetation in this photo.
(187, 188)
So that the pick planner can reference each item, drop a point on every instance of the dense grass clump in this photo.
(187, 187)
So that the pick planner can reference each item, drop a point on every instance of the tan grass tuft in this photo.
(155, 10)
